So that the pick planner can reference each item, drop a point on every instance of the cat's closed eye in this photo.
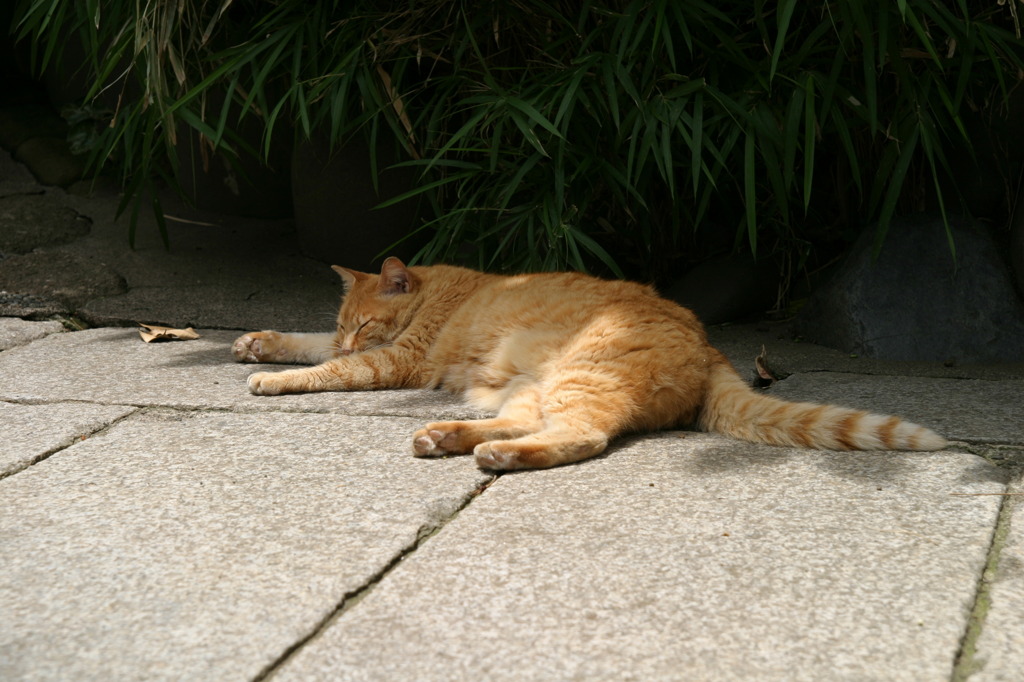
(359, 326)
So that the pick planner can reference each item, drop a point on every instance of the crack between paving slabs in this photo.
(964, 663)
(1005, 455)
(350, 599)
(73, 440)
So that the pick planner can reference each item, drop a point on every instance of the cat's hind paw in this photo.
(493, 456)
(257, 347)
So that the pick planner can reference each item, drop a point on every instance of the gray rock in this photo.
(15, 178)
(30, 306)
(67, 278)
(1017, 244)
(914, 302)
(742, 343)
(51, 160)
(239, 304)
(28, 222)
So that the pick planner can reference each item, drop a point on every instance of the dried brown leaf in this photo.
(152, 332)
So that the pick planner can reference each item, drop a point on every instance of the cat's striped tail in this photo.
(733, 408)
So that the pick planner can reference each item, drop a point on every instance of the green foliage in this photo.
(554, 134)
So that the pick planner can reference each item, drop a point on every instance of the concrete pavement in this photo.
(158, 522)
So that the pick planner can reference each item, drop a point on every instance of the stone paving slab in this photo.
(999, 654)
(691, 558)
(30, 432)
(113, 366)
(200, 546)
(17, 332)
(969, 410)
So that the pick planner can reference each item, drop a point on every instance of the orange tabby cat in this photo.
(567, 361)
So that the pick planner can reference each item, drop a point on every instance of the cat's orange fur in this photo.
(567, 361)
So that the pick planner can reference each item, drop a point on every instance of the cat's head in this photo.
(376, 309)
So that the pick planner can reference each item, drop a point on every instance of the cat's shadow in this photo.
(708, 454)
(211, 353)
(213, 358)
(205, 351)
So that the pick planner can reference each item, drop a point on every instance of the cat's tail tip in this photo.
(733, 408)
(929, 440)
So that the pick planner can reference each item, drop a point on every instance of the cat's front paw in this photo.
(264, 383)
(431, 443)
(257, 347)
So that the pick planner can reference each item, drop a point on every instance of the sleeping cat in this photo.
(567, 361)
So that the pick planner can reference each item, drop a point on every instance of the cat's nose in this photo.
(346, 351)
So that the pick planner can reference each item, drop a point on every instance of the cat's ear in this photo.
(394, 278)
(348, 277)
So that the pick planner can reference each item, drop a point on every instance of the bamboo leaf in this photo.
(508, 190)
(422, 189)
(688, 88)
(785, 15)
(93, 9)
(664, 160)
(161, 222)
(930, 149)
(750, 190)
(810, 132)
(926, 41)
(895, 184)
(569, 98)
(535, 116)
(791, 134)
(768, 145)
(611, 92)
(846, 140)
(697, 147)
(528, 133)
